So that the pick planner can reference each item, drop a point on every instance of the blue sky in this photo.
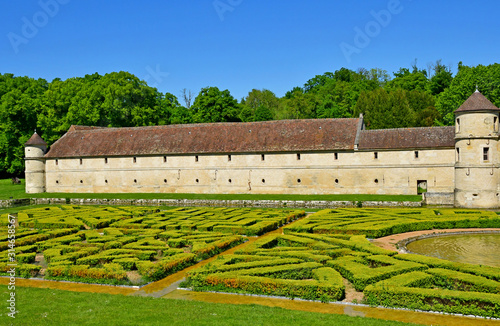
(240, 44)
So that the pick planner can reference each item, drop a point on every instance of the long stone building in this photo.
(457, 165)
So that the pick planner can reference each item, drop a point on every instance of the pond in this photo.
(481, 249)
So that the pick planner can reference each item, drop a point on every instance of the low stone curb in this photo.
(222, 203)
(14, 202)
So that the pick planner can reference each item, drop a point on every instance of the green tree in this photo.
(404, 79)
(423, 104)
(385, 109)
(318, 81)
(262, 113)
(20, 104)
(263, 101)
(296, 91)
(300, 106)
(213, 105)
(56, 102)
(486, 78)
(117, 99)
(441, 78)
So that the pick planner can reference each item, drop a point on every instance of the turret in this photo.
(34, 151)
(476, 153)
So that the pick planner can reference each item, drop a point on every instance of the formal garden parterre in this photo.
(314, 254)
(380, 222)
(313, 258)
(126, 245)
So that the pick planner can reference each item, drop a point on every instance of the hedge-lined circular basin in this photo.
(481, 249)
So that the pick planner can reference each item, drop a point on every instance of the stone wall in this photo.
(50, 201)
(395, 172)
(439, 198)
(14, 203)
(222, 203)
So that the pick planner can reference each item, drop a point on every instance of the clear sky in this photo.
(241, 44)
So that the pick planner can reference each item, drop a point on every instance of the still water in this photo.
(481, 249)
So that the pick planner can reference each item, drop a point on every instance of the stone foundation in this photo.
(439, 198)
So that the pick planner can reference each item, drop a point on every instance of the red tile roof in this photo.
(477, 102)
(407, 138)
(268, 136)
(36, 140)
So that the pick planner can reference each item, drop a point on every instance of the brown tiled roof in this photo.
(35, 140)
(268, 136)
(406, 138)
(477, 102)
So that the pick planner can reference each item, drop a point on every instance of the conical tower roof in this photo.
(477, 102)
(35, 140)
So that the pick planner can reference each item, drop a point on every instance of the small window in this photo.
(336, 156)
(263, 180)
(375, 155)
(196, 158)
(135, 159)
(416, 154)
(229, 180)
(197, 180)
(458, 125)
(164, 180)
(57, 181)
(57, 162)
(336, 181)
(106, 181)
(81, 181)
(164, 159)
(135, 180)
(105, 160)
(486, 152)
(81, 161)
(229, 158)
(458, 154)
(262, 157)
(299, 181)
(376, 181)
(495, 124)
(298, 156)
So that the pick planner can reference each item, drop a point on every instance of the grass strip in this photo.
(57, 307)
(8, 190)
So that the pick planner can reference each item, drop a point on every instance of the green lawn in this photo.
(57, 307)
(8, 190)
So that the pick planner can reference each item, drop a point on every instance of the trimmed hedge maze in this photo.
(126, 245)
(313, 265)
(320, 257)
(380, 222)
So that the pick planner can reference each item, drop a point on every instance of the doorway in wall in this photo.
(421, 186)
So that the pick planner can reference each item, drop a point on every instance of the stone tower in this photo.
(476, 153)
(34, 151)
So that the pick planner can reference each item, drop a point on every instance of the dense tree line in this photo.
(413, 97)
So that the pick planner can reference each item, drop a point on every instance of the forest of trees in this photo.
(412, 97)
